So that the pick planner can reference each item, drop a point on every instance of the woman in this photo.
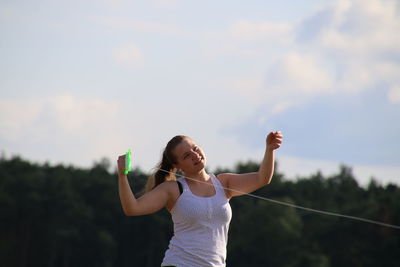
(198, 203)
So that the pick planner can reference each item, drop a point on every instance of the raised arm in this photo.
(239, 184)
(150, 202)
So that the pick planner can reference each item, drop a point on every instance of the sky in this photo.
(84, 80)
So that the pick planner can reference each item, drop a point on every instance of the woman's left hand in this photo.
(274, 140)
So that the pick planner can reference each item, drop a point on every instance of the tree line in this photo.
(68, 216)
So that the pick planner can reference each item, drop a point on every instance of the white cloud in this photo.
(294, 167)
(343, 51)
(7, 13)
(124, 4)
(245, 30)
(394, 95)
(360, 39)
(247, 87)
(165, 3)
(72, 115)
(290, 81)
(84, 129)
(116, 4)
(120, 23)
(348, 53)
(81, 116)
(363, 28)
(382, 174)
(129, 55)
(387, 70)
(299, 73)
(355, 76)
(346, 48)
(246, 38)
(283, 105)
(17, 116)
(216, 50)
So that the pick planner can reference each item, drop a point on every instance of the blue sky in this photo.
(84, 80)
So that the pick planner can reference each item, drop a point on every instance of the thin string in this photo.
(293, 205)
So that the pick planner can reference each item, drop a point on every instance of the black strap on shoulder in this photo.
(180, 187)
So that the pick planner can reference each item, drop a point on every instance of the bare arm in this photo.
(148, 203)
(239, 184)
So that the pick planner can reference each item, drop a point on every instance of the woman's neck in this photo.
(201, 176)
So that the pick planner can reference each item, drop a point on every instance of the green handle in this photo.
(128, 159)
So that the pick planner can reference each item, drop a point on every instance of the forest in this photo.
(67, 216)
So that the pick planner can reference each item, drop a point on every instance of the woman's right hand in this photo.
(121, 165)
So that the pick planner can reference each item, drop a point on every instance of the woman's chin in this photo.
(201, 164)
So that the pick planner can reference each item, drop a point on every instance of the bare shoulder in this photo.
(169, 186)
(172, 189)
(223, 177)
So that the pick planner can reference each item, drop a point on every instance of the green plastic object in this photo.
(128, 159)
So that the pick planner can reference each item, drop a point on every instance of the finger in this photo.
(121, 161)
(276, 139)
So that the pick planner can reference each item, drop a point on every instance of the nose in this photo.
(195, 155)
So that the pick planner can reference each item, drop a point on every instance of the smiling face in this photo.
(189, 156)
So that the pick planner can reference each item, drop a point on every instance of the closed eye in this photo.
(186, 155)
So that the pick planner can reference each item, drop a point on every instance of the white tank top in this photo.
(200, 228)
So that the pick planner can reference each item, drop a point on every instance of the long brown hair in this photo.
(164, 169)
